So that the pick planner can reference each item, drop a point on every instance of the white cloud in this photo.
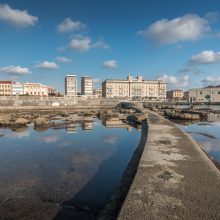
(17, 17)
(205, 57)
(188, 27)
(111, 64)
(211, 80)
(212, 16)
(15, 70)
(64, 59)
(175, 82)
(83, 44)
(68, 25)
(49, 139)
(111, 139)
(47, 65)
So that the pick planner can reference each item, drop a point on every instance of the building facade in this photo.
(97, 92)
(132, 88)
(35, 89)
(71, 85)
(17, 88)
(207, 94)
(86, 85)
(176, 94)
(6, 88)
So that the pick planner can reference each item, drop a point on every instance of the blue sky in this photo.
(177, 41)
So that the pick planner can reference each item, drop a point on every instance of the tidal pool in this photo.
(63, 171)
(207, 134)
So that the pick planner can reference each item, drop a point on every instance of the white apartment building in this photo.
(35, 89)
(17, 88)
(71, 85)
(135, 87)
(207, 94)
(86, 85)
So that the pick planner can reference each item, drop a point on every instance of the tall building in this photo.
(131, 88)
(87, 85)
(17, 88)
(5, 87)
(35, 89)
(207, 94)
(71, 85)
(176, 94)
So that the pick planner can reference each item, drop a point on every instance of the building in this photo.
(71, 85)
(175, 95)
(97, 92)
(35, 89)
(6, 88)
(17, 88)
(134, 88)
(86, 85)
(207, 94)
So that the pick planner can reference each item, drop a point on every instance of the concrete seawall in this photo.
(174, 179)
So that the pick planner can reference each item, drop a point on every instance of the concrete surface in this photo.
(175, 179)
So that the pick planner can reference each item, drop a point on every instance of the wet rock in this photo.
(40, 121)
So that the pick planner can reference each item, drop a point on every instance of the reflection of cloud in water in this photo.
(111, 139)
(23, 134)
(213, 145)
(49, 139)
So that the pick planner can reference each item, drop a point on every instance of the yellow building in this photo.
(176, 94)
(35, 89)
(5, 88)
(132, 88)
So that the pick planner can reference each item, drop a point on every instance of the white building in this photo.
(87, 85)
(35, 89)
(71, 85)
(17, 88)
(132, 88)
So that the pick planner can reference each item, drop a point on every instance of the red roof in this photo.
(5, 82)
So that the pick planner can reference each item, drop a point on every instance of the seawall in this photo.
(174, 179)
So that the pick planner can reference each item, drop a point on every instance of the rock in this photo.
(5, 122)
(21, 122)
(40, 121)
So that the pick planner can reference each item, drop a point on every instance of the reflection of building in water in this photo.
(115, 123)
(87, 125)
(71, 128)
(213, 117)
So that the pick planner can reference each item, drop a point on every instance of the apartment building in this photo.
(35, 89)
(134, 87)
(71, 85)
(207, 94)
(97, 92)
(176, 94)
(86, 85)
(5, 88)
(17, 88)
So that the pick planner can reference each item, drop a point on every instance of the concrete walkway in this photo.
(174, 180)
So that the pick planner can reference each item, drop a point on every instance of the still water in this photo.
(76, 166)
(207, 134)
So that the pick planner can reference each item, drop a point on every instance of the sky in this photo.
(176, 41)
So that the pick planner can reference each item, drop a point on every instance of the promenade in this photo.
(175, 179)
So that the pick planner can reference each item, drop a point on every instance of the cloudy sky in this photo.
(177, 41)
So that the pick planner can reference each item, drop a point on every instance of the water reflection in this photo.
(42, 170)
(207, 134)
